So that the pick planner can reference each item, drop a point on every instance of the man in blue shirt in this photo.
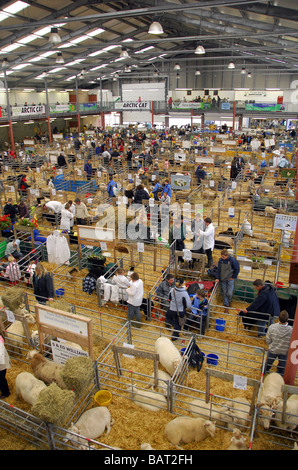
(110, 188)
(88, 169)
(167, 190)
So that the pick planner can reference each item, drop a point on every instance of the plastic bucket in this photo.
(212, 359)
(60, 292)
(103, 397)
(220, 324)
(182, 351)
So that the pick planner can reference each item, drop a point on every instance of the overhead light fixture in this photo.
(178, 76)
(198, 72)
(124, 54)
(177, 67)
(249, 75)
(243, 71)
(200, 50)
(4, 62)
(231, 65)
(127, 69)
(54, 36)
(59, 59)
(155, 28)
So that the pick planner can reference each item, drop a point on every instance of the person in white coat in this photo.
(66, 218)
(72, 208)
(135, 297)
(208, 240)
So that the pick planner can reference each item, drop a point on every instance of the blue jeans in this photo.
(227, 288)
(133, 311)
(282, 359)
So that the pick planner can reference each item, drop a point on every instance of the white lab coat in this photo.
(66, 219)
(54, 206)
(57, 248)
(208, 237)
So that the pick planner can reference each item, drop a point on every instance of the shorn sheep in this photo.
(291, 415)
(183, 430)
(237, 413)
(45, 370)
(270, 397)
(169, 356)
(28, 387)
(147, 399)
(208, 411)
(92, 424)
(237, 441)
(162, 378)
(15, 333)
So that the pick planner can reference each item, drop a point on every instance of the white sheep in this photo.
(271, 389)
(237, 441)
(291, 414)
(46, 370)
(183, 430)
(207, 410)
(90, 425)
(28, 387)
(162, 378)
(238, 414)
(169, 356)
(147, 399)
(265, 415)
(146, 446)
(15, 333)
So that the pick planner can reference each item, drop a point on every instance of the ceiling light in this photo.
(249, 75)
(198, 72)
(4, 62)
(243, 71)
(124, 54)
(54, 36)
(59, 59)
(200, 50)
(127, 69)
(178, 76)
(231, 65)
(155, 28)
(177, 67)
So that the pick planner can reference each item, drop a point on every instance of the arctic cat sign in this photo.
(133, 105)
(25, 110)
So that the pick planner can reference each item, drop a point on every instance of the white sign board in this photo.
(285, 222)
(68, 323)
(133, 105)
(27, 110)
(62, 352)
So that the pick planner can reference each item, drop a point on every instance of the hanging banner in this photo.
(190, 105)
(264, 107)
(133, 105)
(26, 110)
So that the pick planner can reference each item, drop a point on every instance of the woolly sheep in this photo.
(291, 415)
(15, 333)
(147, 399)
(237, 441)
(271, 390)
(162, 377)
(28, 387)
(169, 356)
(90, 425)
(46, 370)
(183, 430)
(207, 410)
(237, 414)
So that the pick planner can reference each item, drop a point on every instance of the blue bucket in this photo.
(220, 324)
(182, 351)
(212, 359)
(60, 292)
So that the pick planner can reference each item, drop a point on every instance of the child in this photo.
(199, 309)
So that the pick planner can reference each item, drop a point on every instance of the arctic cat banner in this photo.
(26, 110)
(133, 105)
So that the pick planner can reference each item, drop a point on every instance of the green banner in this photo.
(288, 172)
(264, 107)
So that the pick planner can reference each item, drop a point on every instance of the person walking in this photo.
(278, 338)
(263, 308)
(43, 286)
(176, 313)
(88, 169)
(135, 298)
(227, 271)
(208, 240)
(4, 365)
(110, 187)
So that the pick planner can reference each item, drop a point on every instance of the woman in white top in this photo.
(66, 218)
(208, 239)
(72, 208)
